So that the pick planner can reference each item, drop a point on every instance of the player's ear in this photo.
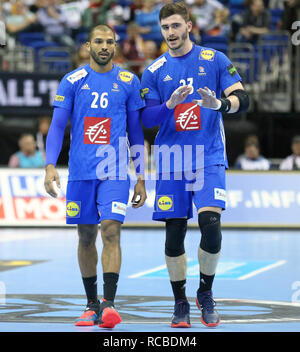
(190, 26)
(88, 46)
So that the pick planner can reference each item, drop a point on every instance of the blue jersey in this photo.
(189, 124)
(99, 103)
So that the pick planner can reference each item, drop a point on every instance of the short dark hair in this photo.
(177, 8)
(104, 27)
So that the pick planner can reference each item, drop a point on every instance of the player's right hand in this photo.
(178, 96)
(50, 177)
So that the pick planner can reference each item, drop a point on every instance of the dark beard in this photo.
(97, 59)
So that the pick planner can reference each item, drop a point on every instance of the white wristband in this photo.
(219, 105)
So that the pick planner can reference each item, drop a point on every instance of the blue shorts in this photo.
(91, 201)
(175, 196)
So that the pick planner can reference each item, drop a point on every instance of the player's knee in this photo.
(110, 232)
(175, 235)
(87, 234)
(210, 227)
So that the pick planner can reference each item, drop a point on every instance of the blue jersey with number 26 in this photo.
(98, 103)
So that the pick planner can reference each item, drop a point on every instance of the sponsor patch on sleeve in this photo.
(144, 92)
(125, 76)
(207, 54)
(232, 70)
(157, 64)
(59, 98)
(76, 76)
(119, 208)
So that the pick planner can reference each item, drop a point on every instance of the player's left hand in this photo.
(208, 100)
(139, 195)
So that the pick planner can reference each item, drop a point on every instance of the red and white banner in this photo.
(24, 201)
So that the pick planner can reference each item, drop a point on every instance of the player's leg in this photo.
(84, 213)
(177, 267)
(210, 201)
(88, 259)
(174, 206)
(112, 203)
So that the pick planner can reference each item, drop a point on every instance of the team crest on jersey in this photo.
(115, 87)
(125, 76)
(157, 64)
(76, 76)
(165, 203)
(187, 117)
(207, 54)
(73, 209)
(201, 71)
(97, 130)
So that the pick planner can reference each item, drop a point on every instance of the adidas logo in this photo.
(86, 86)
(167, 78)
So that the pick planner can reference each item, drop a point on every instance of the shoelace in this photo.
(208, 303)
(181, 308)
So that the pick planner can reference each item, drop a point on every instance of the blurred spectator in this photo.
(119, 58)
(27, 156)
(41, 135)
(81, 57)
(203, 12)
(20, 19)
(255, 22)
(72, 11)
(132, 47)
(96, 13)
(291, 14)
(292, 162)
(150, 53)
(118, 15)
(147, 18)
(5, 5)
(220, 24)
(251, 159)
(54, 22)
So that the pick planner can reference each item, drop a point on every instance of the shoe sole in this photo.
(182, 324)
(85, 323)
(209, 325)
(110, 318)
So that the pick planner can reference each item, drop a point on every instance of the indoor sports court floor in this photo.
(257, 286)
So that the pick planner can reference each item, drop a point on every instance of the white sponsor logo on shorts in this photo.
(119, 208)
(220, 194)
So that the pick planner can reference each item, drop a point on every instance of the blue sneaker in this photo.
(181, 316)
(209, 315)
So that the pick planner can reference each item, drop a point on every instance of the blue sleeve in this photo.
(135, 101)
(56, 134)
(154, 113)
(228, 73)
(136, 140)
(64, 97)
(149, 85)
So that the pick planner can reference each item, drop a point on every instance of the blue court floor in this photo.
(257, 285)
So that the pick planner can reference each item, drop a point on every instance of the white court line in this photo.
(259, 271)
(141, 273)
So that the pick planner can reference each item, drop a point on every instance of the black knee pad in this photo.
(210, 227)
(175, 235)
